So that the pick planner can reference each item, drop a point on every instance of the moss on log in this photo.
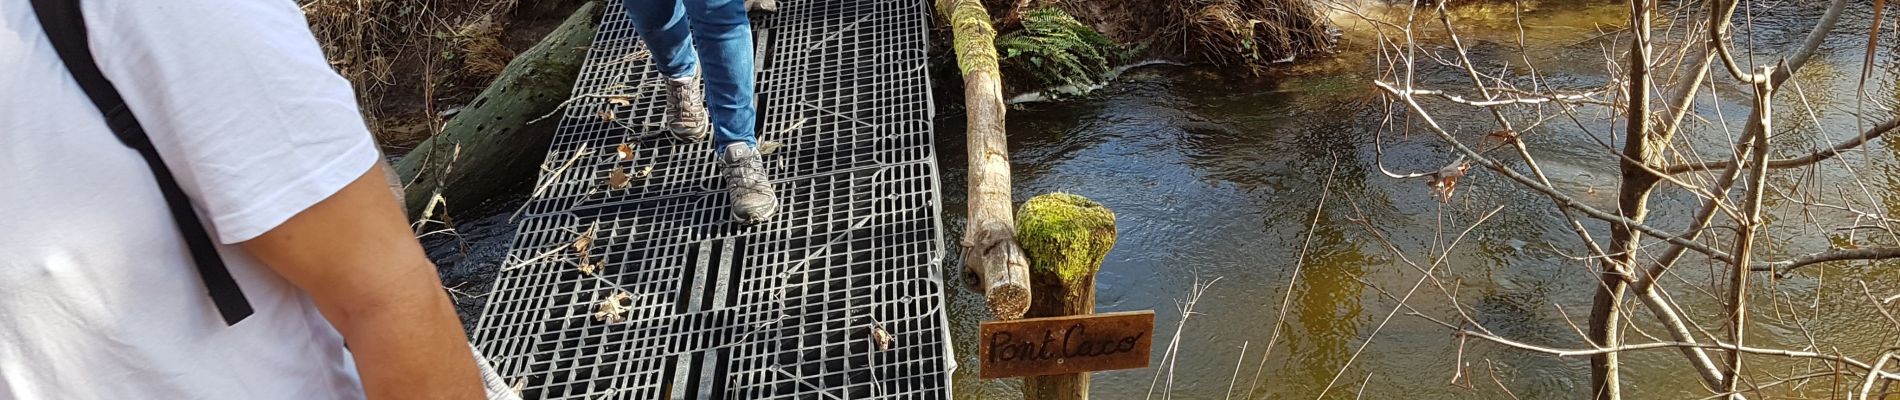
(989, 244)
(1066, 238)
(971, 35)
(489, 147)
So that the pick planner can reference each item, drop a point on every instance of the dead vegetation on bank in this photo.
(1251, 33)
(413, 61)
(1247, 34)
(1061, 45)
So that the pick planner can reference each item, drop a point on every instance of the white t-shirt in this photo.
(98, 296)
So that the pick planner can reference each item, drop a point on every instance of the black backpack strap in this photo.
(65, 24)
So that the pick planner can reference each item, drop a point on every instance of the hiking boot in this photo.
(753, 200)
(686, 109)
(761, 6)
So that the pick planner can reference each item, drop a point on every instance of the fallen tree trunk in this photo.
(989, 241)
(489, 145)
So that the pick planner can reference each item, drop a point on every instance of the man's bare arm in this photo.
(355, 255)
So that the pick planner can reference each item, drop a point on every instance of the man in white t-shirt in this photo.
(99, 298)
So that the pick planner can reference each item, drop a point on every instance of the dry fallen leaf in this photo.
(1503, 135)
(586, 239)
(645, 172)
(1445, 181)
(882, 338)
(769, 147)
(622, 101)
(614, 309)
(590, 266)
(618, 179)
(625, 151)
(605, 115)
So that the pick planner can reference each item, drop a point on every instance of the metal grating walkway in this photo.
(786, 309)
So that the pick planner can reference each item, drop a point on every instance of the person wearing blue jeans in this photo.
(691, 39)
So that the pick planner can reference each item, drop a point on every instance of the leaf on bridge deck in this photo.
(618, 179)
(613, 310)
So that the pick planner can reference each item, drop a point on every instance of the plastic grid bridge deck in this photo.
(785, 309)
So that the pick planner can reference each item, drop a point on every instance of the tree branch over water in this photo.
(1784, 267)
(1560, 198)
(1875, 132)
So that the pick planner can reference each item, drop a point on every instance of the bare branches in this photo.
(1808, 159)
(1722, 14)
(1783, 267)
(1173, 353)
(1299, 265)
(1746, 228)
(1815, 37)
(1563, 352)
(1654, 86)
(1511, 100)
(1561, 199)
(1560, 352)
(1425, 275)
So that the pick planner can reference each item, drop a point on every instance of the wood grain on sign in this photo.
(1065, 345)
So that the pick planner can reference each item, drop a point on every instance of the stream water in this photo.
(1216, 180)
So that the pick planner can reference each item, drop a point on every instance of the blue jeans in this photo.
(721, 44)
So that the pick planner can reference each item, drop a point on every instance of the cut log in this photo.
(989, 244)
(1066, 238)
(488, 148)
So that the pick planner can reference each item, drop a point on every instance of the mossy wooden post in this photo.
(989, 243)
(1066, 237)
(492, 132)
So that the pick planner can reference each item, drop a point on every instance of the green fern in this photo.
(1055, 49)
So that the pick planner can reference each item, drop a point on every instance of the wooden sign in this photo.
(1066, 345)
